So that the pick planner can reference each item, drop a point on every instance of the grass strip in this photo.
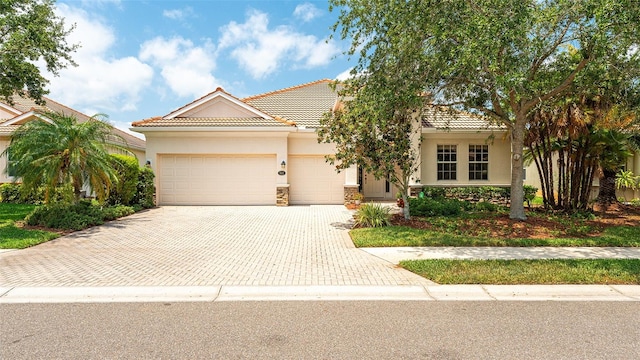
(13, 237)
(528, 272)
(392, 236)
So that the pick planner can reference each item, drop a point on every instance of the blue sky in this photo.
(140, 59)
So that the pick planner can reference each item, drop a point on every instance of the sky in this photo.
(144, 58)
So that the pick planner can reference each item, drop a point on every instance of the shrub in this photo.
(118, 211)
(77, 216)
(373, 215)
(16, 194)
(486, 206)
(471, 193)
(10, 193)
(66, 216)
(145, 189)
(437, 207)
(434, 192)
(127, 172)
(529, 194)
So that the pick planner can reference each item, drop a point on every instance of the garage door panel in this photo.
(313, 181)
(217, 180)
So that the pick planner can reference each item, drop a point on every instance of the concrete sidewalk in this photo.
(396, 254)
(320, 293)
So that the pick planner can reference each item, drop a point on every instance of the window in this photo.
(11, 169)
(447, 162)
(478, 162)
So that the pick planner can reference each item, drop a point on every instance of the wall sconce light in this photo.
(283, 164)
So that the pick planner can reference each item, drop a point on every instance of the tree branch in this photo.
(558, 89)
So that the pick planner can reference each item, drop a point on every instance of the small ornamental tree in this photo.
(378, 130)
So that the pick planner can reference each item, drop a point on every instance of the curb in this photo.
(36, 295)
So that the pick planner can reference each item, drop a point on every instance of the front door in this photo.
(372, 187)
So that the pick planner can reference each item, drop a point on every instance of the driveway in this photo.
(204, 246)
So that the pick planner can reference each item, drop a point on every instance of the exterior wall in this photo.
(218, 108)
(219, 143)
(140, 155)
(499, 158)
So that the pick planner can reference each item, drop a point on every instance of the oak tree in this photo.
(499, 58)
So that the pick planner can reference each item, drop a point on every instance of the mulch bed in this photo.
(537, 226)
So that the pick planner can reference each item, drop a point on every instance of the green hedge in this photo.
(438, 207)
(77, 216)
(477, 193)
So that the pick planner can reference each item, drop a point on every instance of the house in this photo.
(263, 150)
(24, 110)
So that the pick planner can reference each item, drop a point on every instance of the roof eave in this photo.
(151, 129)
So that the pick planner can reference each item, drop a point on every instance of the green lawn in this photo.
(405, 236)
(545, 272)
(13, 237)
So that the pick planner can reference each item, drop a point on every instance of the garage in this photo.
(313, 181)
(194, 179)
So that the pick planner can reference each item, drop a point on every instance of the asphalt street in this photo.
(322, 330)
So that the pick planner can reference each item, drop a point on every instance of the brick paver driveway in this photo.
(186, 246)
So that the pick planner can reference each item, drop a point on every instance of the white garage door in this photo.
(217, 180)
(314, 181)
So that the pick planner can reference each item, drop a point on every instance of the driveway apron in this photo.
(207, 245)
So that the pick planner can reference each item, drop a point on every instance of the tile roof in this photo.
(209, 122)
(443, 118)
(26, 104)
(303, 104)
(8, 130)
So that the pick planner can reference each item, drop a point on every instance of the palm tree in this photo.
(616, 139)
(59, 151)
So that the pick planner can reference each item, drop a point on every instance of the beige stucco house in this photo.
(263, 150)
(24, 110)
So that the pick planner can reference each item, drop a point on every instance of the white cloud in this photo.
(345, 75)
(178, 14)
(307, 12)
(262, 51)
(186, 68)
(100, 81)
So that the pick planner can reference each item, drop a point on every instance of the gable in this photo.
(220, 100)
(24, 118)
(7, 112)
(219, 107)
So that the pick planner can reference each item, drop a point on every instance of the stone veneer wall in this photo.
(349, 192)
(414, 190)
(282, 196)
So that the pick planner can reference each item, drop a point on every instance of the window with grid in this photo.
(478, 162)
(447, 162)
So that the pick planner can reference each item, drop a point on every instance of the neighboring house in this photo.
(24, 110)
(263, 150)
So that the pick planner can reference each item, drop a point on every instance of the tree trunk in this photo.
(516, 208)
(607, 191)
(405, 209)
